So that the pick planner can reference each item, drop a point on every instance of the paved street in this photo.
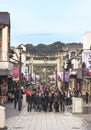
(24, 120)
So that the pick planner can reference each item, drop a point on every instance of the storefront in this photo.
(3, 85)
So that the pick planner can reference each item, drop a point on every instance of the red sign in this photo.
(89, 72)
(26, 78)
(15, 73)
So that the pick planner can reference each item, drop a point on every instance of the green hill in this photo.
(47, 49)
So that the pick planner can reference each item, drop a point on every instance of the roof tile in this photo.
(4, 18)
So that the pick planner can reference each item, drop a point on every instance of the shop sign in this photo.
(16, 73)
(66, 76)
(86, 63)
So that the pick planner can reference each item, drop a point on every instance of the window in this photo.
(73, 54)
(27, 58)
(37, 58)
(52, 58)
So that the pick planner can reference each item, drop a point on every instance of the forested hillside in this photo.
(47, 49)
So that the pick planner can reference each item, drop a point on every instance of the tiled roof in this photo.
(74, 46)
(4, 18)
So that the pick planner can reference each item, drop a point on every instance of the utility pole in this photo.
(20, 93)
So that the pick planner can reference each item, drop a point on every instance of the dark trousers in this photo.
(19, 104)
(68, 101)
(44, 107)
(56, 106)
(62, 106)
(50, 106)
(87, 99)
(29, 107)
(39, 107)
(15, 103)
(34, 105)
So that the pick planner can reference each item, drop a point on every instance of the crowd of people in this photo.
(47, 98)
(44, 98)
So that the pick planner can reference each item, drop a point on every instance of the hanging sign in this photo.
(15, 73)
(86, 63)
(66, 76)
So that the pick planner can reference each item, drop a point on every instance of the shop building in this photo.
(5, 65)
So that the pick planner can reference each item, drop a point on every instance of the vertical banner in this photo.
(66, 76)
(0, 38)
(15, 73)
(86, 63)
(0, 44)
(26, 74)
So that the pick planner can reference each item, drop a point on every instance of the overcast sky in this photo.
(47, 21)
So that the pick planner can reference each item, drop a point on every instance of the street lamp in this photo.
(35, 70)
(64, 70)
(63, 76)
(66, 67)
(20, 49)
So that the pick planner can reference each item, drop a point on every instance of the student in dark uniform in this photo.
(29, 100)
(16, 97)
(62, 101)
(44, 102)
(39, 101)
(56, 101)
(50, 101)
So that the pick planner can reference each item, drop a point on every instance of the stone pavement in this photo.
(23, 120)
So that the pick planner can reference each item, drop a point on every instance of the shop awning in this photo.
(73, 73)
(4, 72)
(79, 73)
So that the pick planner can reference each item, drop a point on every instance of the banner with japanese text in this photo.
(15, 73)
(86, 63)
(66, 76)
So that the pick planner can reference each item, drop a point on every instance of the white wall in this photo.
(87, 40)
(5, 44)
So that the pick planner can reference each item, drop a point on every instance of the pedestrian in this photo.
(56, 101)
(34, 99)
(68, 98)
(20, 98)
(10, 95)
(50, 101)
(62, 100)
(16, 96)
(27, 92)
(44, 102)
(39, 102)
(29, 101)
(87, 97)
